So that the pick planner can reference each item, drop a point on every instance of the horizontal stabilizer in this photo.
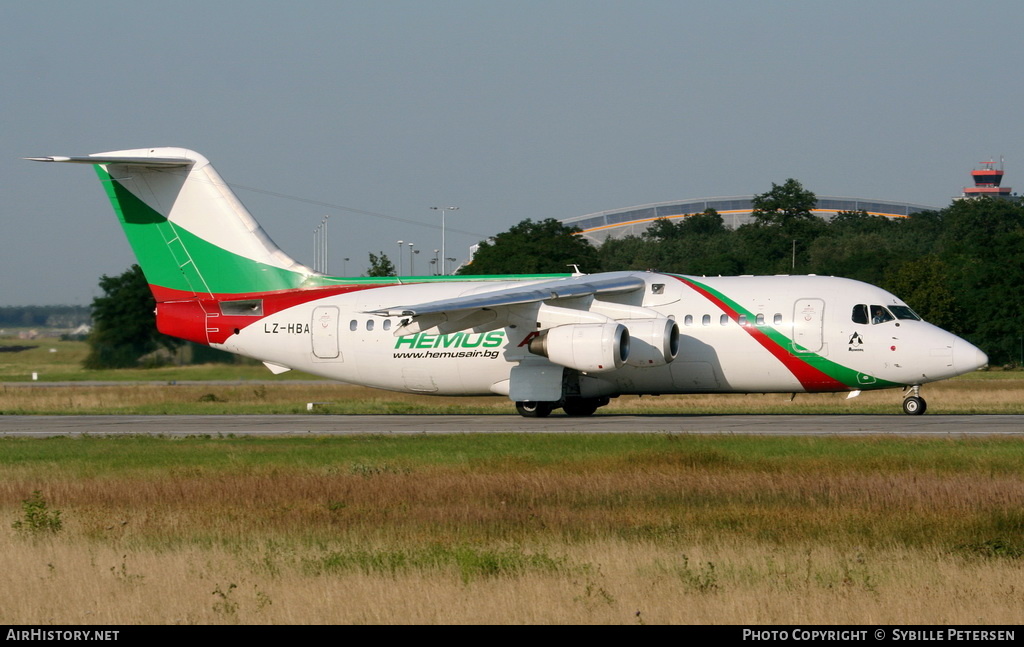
(100, 159)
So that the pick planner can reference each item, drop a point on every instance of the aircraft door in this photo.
(807, 325)
(324, 332)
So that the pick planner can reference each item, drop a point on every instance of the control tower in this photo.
(987, 180)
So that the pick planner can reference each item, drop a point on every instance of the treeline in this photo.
(960, 267)
(44, 316)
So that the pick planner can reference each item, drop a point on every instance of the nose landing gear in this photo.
(914, 404)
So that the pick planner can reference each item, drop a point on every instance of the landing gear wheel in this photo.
(914, 406)
(580, 407)
(528, 409)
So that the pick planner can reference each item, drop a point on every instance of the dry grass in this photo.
(602, 582)
(997, 395)
(253, 398)
(506, 529)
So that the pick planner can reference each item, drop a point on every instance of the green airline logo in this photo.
(455, 340)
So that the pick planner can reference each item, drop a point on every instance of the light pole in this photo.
(316, 249)
(344, 265)
(436, 262)
(400, 257)
(320, 247)
(412, 262)
(450, 260)
(443, 211)
(325, 263)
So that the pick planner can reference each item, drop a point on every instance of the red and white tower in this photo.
(987, 180)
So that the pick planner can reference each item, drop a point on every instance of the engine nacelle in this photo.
(591, 348)
(652, 342)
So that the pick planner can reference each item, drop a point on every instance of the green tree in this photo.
(784, 205)
(125, 322)
(707, 223)
(865, 256)
(982, 241)
(381, 266)
(697, 244)
(531, 247)
(926, 285)
(661, 230)
(782, 232)
(632, 253)
(859, 222)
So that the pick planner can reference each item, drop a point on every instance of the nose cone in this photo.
(967, 357)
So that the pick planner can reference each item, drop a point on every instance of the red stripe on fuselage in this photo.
(810, 378)
(188, 316)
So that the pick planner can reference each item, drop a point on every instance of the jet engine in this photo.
(590, 348)
(652, 342)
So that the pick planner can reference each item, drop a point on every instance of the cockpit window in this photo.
(876, 314)
(880, 315)
(860, 313)
(904, 312)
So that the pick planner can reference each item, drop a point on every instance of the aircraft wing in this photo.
(426, 315)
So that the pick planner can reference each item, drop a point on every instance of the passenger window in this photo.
(387, 324)
(760, 319)
(688, 320)
(706, 320)
(724, 320)
(369, 324)
(860, 314)
(743, 320)
(353, 325)
(777, 319)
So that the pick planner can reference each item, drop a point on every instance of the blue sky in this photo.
(509, 110)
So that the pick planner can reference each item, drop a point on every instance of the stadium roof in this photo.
(735, 211)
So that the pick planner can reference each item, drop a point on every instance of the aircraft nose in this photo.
(967, 357)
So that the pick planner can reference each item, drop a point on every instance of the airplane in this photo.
(570, 341)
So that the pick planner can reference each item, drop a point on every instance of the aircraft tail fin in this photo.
(193, 238)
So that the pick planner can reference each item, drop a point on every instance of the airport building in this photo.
(735, 211)
(738, 210)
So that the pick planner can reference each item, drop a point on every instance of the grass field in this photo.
(561, 528)
(538, 528)
(53, 360)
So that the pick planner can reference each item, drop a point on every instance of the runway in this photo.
(296, 425)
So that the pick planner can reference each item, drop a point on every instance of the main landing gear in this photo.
(572, 406)
(914, 404)
(529, 409)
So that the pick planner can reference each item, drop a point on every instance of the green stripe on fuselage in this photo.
(848, 376)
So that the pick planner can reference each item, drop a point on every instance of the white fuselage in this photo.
(737, 334)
